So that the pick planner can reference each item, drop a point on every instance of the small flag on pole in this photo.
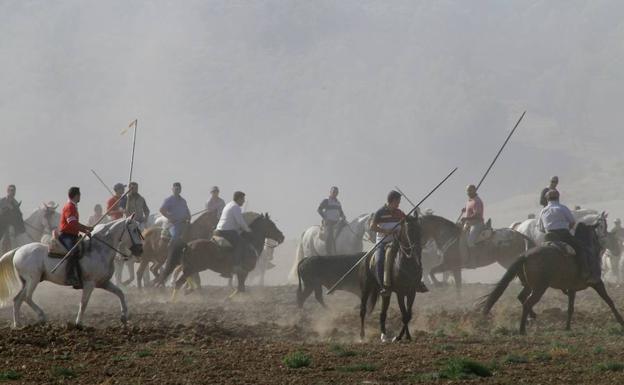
(133, 123)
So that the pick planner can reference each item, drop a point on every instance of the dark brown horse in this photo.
(155, 251)
(548, 266)
(203, 254)
(406, 274)
(503, 247)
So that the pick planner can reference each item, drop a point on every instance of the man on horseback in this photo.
(385, 223)
(330, 210)
(556, 220)
(115, 206)
(135, 204)
(215, 204)
(70, 228)
(472, 218)
(554, 181)
(231, 225)
(177, 213)
(8, 203)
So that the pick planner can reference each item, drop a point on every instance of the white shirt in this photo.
(555, 216)
(232, 219)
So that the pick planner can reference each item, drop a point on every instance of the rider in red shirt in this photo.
(70, 228)
(117, 203)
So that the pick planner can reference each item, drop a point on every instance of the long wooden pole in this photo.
(134, 135)
(369, 252)
(101, 181)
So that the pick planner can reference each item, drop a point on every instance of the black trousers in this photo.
(69, 241)
(565, 236)
(237, 242)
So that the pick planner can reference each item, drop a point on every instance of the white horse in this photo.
(529, 227)
(31, 264)
(40, 224)
(349, 241)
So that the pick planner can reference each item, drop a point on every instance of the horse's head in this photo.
(411, 237)
(593, 236)
(131, 237)
(271, 230)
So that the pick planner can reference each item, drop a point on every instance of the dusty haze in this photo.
(284, 99)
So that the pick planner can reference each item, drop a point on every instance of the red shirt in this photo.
(116, 213)
(69, 219)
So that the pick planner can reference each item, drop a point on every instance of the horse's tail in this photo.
(174, 258)
(294, 272)
(8, 276)
(488, 301)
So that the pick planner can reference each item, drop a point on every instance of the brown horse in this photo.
(502, 247)
(203, 254)
(155, 251)
(406, 274)
(548, 266)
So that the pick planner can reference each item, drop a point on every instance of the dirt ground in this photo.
(207, 339)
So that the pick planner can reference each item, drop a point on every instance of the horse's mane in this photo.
(105, 227)
(583, 232)
(250, 217)
(441, 220)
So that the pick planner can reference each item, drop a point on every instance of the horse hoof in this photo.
(385, 338)
(396, 339)
(124, 319)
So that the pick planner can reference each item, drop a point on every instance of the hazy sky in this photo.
(283, 99)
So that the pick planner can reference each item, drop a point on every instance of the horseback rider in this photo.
(233, 227)
(70, 228)
(215, 204)
(8, 203)
(135, 204)
(114, 206)
(178, 215)
(554, 181)
(472, 217)
(386, 222)
(330, 210)
(556, 220)
(618, 229)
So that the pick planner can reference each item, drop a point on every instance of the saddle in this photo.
(57, 250)
(486, 233)
(562, 246)
(221, 242)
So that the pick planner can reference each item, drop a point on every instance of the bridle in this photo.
(126, 230)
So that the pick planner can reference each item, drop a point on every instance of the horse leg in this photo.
(302, 295)
(118, 270)
(241, 277)
(112, 288)
(385, 303)
(571, 297)
(366, 292)
(457, 275)
(17, 304)
(87, 289)
(318, 294)
(30, 289)
(522, 297)
(602, 292)
(410, 303)
(435, 270)
(130, 266)
(527, 307)
(404, 316)
(140, 274)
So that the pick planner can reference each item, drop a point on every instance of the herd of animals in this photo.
(430, 245)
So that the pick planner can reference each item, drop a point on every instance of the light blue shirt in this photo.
(177, 208)
(555, 216)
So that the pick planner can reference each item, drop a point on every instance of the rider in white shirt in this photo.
(231, 225)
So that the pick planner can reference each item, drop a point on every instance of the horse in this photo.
(406, 273)
(11, 218)
(531, 229)
(348, 241)
(40, 225)
(156, 251)
(202, 254)
(548, 266)
(31, 264)
(502, 247)
(613, 254)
